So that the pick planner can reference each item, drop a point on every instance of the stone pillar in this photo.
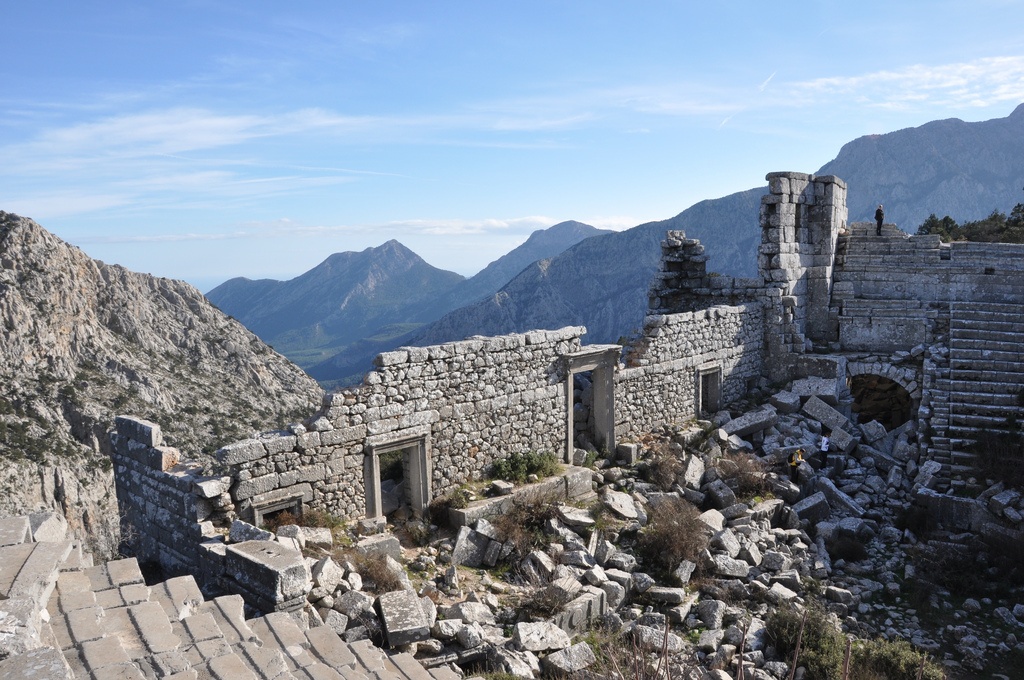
(801, 217)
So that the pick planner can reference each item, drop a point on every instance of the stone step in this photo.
(962, 343)
(977, 385)
(984, 354)
(985, 310)
(999, 337)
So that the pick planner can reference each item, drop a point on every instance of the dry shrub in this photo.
(674, 533)
(744, 473)
(663, 467)
(376, 574)
(523, 524)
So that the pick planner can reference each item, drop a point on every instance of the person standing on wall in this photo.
(879, 216)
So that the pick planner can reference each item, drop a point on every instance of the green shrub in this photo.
(523, 524)
(893, 660)
(822, 645)
(518, 466)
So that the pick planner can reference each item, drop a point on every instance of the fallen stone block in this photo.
(620, 503)
(243, 531)
(48, 526)
(837, 499)
(814, 508)
(667, 595)
(540, 637)
(517, 662)
(785, 402)
(14, 530)
(825, 414)
(825, 390)
(578, 616)
(754, 421)
(471, 612)
(729, 567)
(380, 545)
(883, 461)
(402, 616)
(872, 431)
(651, 639)
(569, 661)
(470, 547)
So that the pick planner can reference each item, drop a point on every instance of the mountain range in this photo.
(336, 317)
(600, 281)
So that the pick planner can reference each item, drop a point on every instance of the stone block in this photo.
(628, 452)
(241, 452)
(541, 636)
(814, 508)
(569, 661)
(15, 530)
(824, 389)
(243, 531)
(402, 616)
(826, 415)
(843, 441)
(837, 499)
(872, 431)
(380, 544)
(470, 547)
(48, 526)
(786, 402)
(267, 575)
(754, 421)
(578, 616)
(142, 431)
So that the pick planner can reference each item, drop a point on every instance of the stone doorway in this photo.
(594, 364)
(709, 389)
(397, 474)
(879, 398)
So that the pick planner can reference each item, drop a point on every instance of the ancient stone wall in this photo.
(456, 408)
(162, 501)
(718, 349)
(894, 292)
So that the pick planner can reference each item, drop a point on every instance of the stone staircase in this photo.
(986, 373)
(62, 617)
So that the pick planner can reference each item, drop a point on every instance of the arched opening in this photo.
(878, 398)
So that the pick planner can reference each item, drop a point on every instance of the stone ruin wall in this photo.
(468, 402)
(661, 385)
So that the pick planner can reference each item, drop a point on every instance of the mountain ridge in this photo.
(84, 341)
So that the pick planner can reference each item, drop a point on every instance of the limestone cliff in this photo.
(83, 341)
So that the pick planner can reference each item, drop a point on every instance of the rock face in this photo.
(84, 341)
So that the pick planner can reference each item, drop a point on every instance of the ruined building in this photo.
(934, 328)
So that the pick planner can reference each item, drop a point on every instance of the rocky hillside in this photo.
(84, 341)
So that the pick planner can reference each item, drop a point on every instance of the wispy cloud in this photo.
(978, 83)
(289, 228)
(760, 88)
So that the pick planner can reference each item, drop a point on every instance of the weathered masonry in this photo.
(942, 323)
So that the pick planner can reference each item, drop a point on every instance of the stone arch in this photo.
(908, 378)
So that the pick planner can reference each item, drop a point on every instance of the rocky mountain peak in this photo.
(83, 341)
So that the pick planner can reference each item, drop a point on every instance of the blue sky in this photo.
(205, 140)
